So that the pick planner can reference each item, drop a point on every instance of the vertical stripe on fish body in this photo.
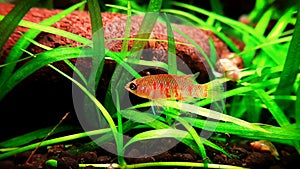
(166, 86)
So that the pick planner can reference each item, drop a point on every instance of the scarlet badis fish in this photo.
(167, 86)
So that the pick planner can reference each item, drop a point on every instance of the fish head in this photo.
(137, 88)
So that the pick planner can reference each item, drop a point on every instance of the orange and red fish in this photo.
(167, 86)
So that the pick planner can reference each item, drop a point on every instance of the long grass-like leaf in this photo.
(69, 63)
(137, 48)
(171, 48)
(275, 110)
(29, 137)
(162, 165)
(40, 61)
(127, 28)
(98, 45)
(243, 90)
(54, 141)
(292, 63)
(183, 164)
(199, 141)
(281, 24)
(152, 121)
(240, 27)
(104, 112)
(10, 22)
(144, 118)
(154, 6)
(23, 43)
(258, 10)
(262, 25)
(205, 113)
(277, 134)
(53, 30)
(210, 114)
(201, 23)
(297, 107)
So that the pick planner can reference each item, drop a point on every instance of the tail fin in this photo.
(213, 89)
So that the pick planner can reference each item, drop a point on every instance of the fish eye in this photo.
(132, 86)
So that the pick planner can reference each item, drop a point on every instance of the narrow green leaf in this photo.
(203, 24)
(237, 106)
(297, 109)
(275, 110)
(240, 27)
(264, 21)
(22, 43)
(243, 90)
(12, 19)
(143, 118)
(281, 24)
(53, 30)
(172, 63)
(29, 137)
(195, 137)
(54, 141)
(196, 46)
(98, 58)
(159, 133)
(275, 133)
(98, 44)
(69, 63)
(292, 63)
(152, 121)
(154, 6)
(184, 165)
(40, 61)
(258, 10)
(217, 6)
(209, 113)
(101, 108)
(127, 28)
(213, 52)
(146, 28)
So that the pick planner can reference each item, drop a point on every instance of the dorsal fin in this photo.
(192, 77)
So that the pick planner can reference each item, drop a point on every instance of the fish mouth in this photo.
(127, 86)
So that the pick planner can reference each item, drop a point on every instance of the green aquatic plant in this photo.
(270, 80)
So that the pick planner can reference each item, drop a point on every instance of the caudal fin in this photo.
(213, 89)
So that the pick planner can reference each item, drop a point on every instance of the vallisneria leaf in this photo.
(12, 19)
(54, 141)
(172, 63)
(98, 44)
(53, 30)
(275, 110)
(41, 60)
(281, 24)
(159, 133)
(264, 21)
(29, 137)
(292, 63)
(210, 114)
(297, 108)
(144, 118)
(16, 52)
